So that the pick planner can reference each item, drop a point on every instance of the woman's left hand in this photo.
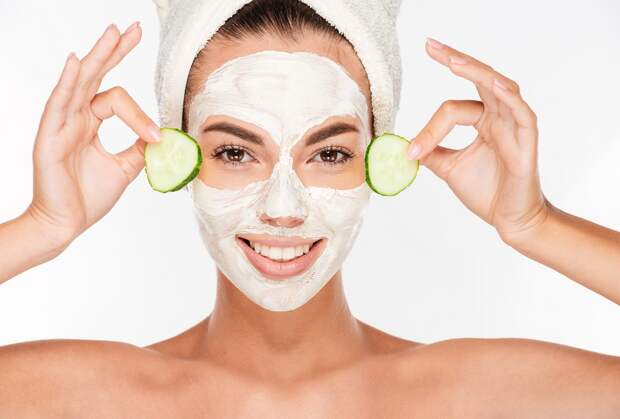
(496, 176)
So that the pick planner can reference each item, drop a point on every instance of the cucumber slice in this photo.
(173, 162)
(388, 170)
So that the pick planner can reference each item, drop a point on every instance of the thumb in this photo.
(132, 158)
(440, 160)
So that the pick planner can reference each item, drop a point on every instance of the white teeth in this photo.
(288, 253)
(275, 253)
(280, 253)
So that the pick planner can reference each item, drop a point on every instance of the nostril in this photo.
(289, 222)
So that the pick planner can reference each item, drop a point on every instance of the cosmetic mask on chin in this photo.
(286, 94)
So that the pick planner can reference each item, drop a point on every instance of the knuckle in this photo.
(118, 92)
(530, 114)
(431, 136)
(530, 111)
(511, 84)
(448, 106)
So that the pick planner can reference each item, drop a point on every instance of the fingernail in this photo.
(414, 151)
(155, 133)
(500, 85)
(434, 44)
(457, 60)
(131, 27)
(71, 54)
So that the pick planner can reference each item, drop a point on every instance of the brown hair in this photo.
(284, 18)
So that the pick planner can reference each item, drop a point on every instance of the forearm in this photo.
(24, 243)
(583, 251)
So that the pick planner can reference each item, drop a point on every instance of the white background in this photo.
(424, 267)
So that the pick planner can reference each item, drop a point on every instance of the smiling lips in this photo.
(280, 257)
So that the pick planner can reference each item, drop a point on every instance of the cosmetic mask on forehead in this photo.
(286, 94)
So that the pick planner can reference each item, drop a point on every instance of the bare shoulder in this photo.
(382, 343)
(183, 345)
(531, 378)
(53, 371)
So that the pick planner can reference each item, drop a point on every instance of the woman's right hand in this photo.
(76, 181)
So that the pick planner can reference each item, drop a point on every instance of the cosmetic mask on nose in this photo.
(286, 94)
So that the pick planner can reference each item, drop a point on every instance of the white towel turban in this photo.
(369, 25)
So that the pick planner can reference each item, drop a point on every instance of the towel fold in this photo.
(369, 25)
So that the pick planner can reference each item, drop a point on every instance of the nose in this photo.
(283, 205)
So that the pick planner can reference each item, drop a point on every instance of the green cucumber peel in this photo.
(172, 162)
(388, 169)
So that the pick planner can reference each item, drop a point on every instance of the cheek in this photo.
(345, 175)
(220, 173)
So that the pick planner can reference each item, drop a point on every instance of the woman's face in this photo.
(280, 196)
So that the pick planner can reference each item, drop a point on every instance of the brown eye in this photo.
(332, 155)
(329, 156)
(232, 154)
(235, 155)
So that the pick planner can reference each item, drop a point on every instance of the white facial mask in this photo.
(286, 94)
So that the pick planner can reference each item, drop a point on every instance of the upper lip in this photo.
(277, 241)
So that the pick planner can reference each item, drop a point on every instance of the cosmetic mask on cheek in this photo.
(286, 94)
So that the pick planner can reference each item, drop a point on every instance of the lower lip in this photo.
(281, 270)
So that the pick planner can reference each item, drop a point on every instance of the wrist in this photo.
(48, 239)
(538, 227)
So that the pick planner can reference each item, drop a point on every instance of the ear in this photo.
(163, 7)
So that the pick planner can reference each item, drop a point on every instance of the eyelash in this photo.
(218, 154)
(344, 151)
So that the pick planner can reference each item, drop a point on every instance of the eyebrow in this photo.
(321, 135)
(235, 130)
(330, 131)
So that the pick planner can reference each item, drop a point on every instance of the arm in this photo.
(69, 160)
(583, 251)
(496, 177)
(25, 243)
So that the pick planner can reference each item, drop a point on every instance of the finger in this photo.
(449, 114)
(524, 117)
(441, 53)
(130, 38)
(55, 110)
(483, 76)
(479, 76)
(441, 160)
(132, 159)
(116, 101)
(92, 64)
(470, 68)
(504, 111)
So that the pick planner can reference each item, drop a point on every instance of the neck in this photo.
(318, 335)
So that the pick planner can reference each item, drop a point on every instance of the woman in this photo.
(301, 353)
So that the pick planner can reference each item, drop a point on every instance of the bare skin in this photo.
(319, 360)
